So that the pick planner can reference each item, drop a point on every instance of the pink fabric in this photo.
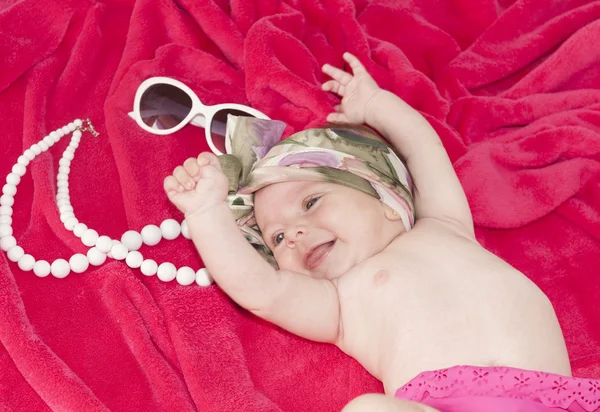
(495, 389)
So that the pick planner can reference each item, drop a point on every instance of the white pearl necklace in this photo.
(101, 247)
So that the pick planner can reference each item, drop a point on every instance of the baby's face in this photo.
(323, 229)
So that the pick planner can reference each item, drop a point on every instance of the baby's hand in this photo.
(356, 90)
(198, 185)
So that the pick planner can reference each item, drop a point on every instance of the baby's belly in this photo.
(398, 322)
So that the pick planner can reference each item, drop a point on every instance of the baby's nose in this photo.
(294, 235)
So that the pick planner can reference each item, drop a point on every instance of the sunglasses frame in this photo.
(198, 108)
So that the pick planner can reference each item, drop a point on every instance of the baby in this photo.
(425, 309)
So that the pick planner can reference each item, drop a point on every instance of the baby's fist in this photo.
(198, 185)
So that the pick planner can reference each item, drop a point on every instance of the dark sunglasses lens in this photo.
(219, 123)
(163, 106)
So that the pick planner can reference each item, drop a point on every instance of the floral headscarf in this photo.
(257, 158)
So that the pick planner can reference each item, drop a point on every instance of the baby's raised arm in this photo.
(438, 192)
(300, 304)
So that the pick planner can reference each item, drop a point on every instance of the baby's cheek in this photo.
(286, 261)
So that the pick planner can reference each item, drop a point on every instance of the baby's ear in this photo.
(391, 214)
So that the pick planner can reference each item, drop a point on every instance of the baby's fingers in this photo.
(172, 186)
(192, 168)
(184, 178)
(206, 158)
(337, 118)
(337, 74)
(334, 86)
(354, 63)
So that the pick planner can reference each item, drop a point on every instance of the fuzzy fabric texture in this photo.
(512, 87)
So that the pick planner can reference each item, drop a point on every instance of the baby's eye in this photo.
(311, 203)
(277, 239)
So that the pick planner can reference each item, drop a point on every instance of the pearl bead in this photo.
(62, 183)
(22, 160)
(64, 169)
(54, 135)
(65, 208)
(64, 162)
(104, 243)
(41, 268)
(95, 257)
(149, 267)
(79, 263)
(68, 155)
(26, 263)
(71, 126)
(5, 230)
(6, 200)
(43, 145)
(151, 235)
(7, 242)
(5, 220)
(76, 135)
(185, 275)
(19, 169)
(170, 229)
(9, 190)
(114, 242)
(13, 179)
(78, 123)
(65, 216)
(203, 278)
(166, 271)
(118, 251)
(61, 196)
(48, 140)
(15, 253)
(73, 145)
(134, 259)
(6, 211)
(89, 237)
(63, 202)
(29, 154)
(35, 148)
(65, 130)
(132, 240)
(184, 229)
(79, 229)
(62, 176)
(60, 268)
(71, 222)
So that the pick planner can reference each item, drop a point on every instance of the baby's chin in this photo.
(320, 273)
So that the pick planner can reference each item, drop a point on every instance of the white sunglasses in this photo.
(163, 105)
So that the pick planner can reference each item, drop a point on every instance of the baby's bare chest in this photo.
(424, 285)
(446, 299)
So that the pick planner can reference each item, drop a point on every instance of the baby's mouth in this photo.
(317, 255)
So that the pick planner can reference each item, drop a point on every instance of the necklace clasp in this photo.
(88, 126)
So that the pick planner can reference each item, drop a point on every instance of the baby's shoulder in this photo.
(412, 252)
(427, 229)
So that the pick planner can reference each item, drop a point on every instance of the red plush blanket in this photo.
(513, 88)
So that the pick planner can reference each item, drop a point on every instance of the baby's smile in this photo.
(316, 255)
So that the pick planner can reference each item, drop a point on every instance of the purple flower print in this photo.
(315, 158)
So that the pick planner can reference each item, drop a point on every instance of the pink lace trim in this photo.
(547, 388)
